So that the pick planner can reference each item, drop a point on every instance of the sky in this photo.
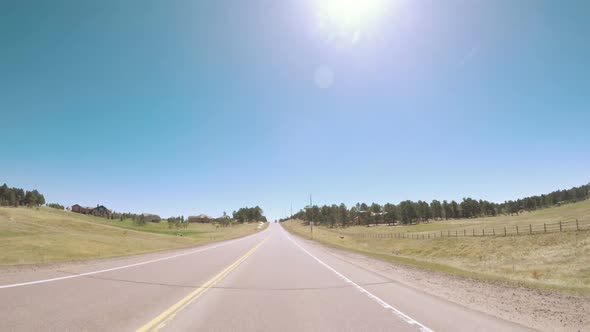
(189, 107)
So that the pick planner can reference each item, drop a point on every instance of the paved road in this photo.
(269, 281)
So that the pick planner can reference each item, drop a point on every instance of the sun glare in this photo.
(350, 14)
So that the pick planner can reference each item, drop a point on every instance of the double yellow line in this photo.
(164, 318)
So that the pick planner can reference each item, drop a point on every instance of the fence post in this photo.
(441, 234)
(530, 229)
(560, 225)
(517, 230)
(504, 230)
(494, 231)
(473, 229)
(483, 232)
(545, 227)
(577, 225)
(455, 233)
(448, 233)
(464, 232)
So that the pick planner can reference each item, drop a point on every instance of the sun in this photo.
(350, 14)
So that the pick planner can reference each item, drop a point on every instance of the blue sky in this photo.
(187, 107)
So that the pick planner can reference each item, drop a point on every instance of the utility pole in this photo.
(311, 222)
(291, 210)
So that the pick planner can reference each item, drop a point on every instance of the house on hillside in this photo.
(98, 211)
(101, 211)
(148, 217)
(81, 209)
(201, 218)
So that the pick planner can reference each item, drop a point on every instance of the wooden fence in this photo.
(524, 229)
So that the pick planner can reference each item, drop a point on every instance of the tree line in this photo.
(56, 206)
(19, 197)
(408, 211)
(247, 214)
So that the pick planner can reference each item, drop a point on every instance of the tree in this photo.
(18, 196)
(391, 213)
(139, 220)
(436, 208)
(448, 213)
(55, 206)
(375, 214)
(343, 214)
(363, 214)
(407, 211)
(455, 213)
(249, 214)
(423, 211)
(354, 215)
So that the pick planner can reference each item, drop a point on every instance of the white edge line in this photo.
(124, 266)
(372, 296)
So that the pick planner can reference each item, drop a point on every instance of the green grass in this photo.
(44, 235)
(553, 260)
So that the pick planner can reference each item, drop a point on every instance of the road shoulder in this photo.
(534, 308)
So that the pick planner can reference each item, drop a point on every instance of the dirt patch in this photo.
(544, 310)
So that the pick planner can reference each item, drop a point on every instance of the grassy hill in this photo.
(42, 235)
(553, 260)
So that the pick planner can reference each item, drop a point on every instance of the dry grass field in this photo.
(553, 260)
(43, 235)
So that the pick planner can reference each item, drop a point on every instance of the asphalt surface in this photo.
(269, 281)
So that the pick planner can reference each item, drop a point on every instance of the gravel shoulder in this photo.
(539, 309)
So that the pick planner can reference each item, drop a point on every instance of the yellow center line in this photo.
(165, 317)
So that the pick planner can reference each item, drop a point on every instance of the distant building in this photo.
(148, 217)
(81, 209)
(201, 218)
(99, 210)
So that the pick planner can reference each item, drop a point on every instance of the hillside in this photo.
(565, 213)
(553, 260)
(43, 235)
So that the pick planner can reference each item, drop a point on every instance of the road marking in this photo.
(125, 266)
(168, 315)
(372, 296)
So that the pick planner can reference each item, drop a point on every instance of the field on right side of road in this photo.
(46, 235)
(558, 260)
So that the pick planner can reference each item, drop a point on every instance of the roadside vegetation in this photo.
(42, 235)
(554, 260)
(410, 212)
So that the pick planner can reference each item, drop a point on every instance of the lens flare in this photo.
(352, 14)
